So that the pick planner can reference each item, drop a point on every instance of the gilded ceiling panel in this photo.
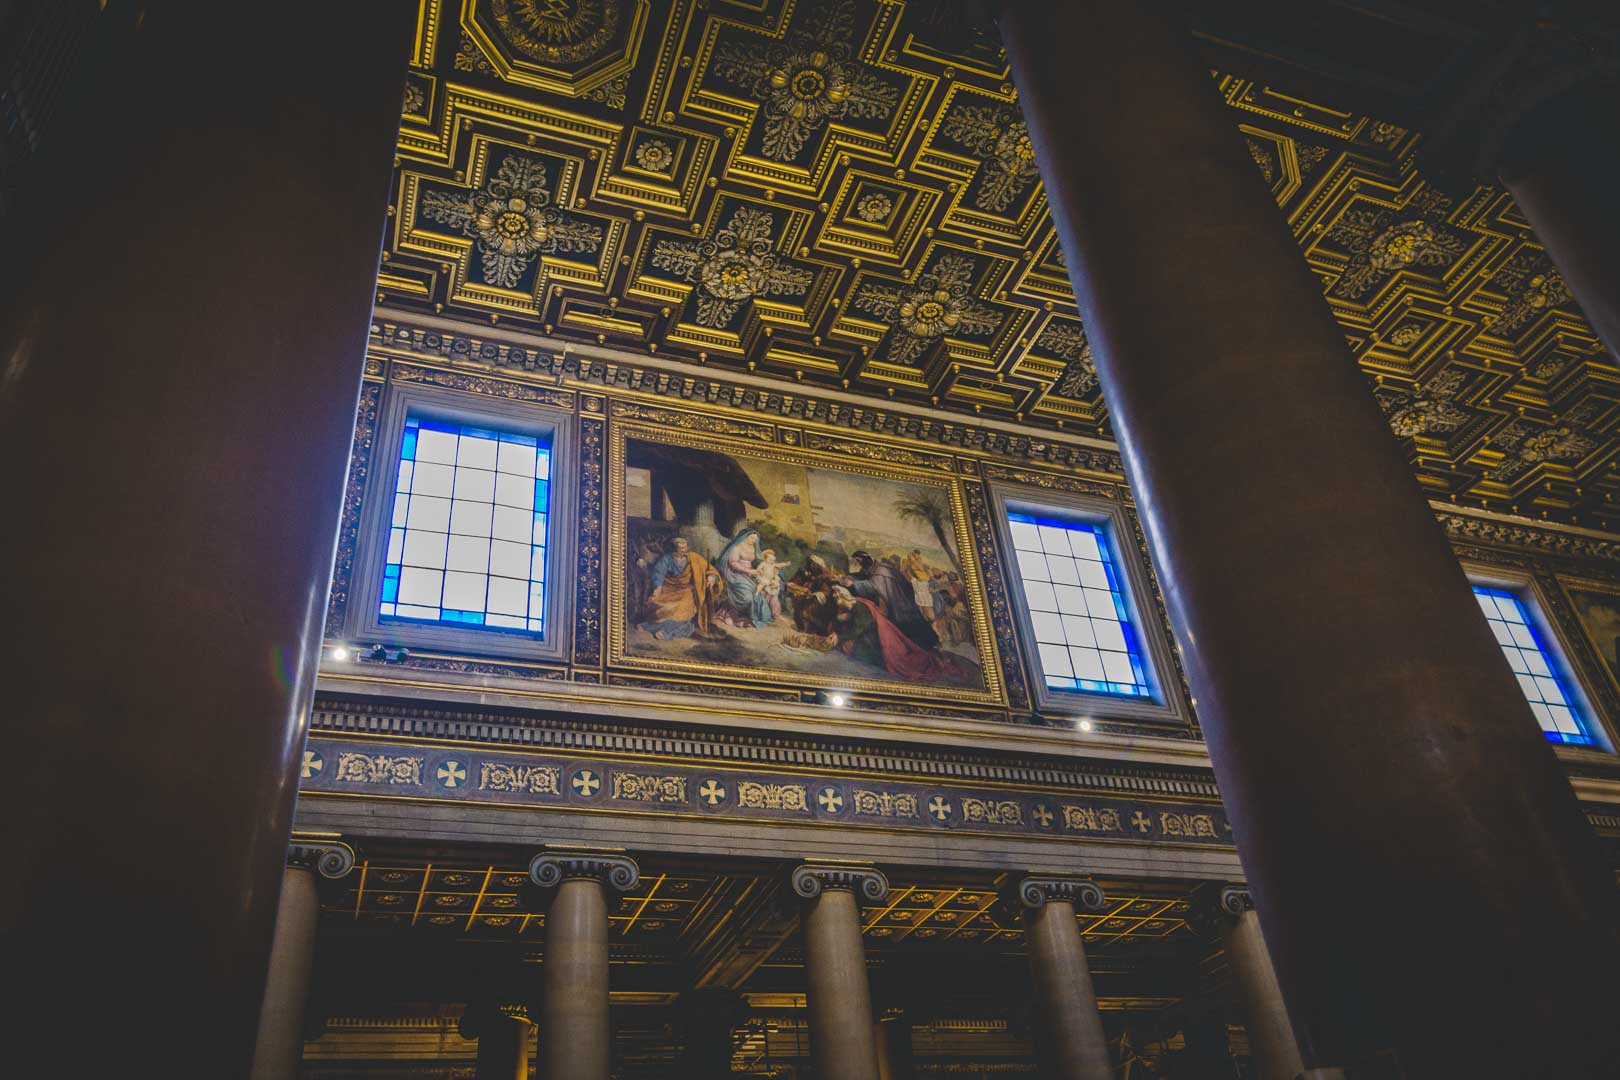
(843, 193)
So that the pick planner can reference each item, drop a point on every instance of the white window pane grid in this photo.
(1083, 632)
(468, 536)
(1535, 669)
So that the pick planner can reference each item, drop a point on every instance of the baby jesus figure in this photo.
(767, 577)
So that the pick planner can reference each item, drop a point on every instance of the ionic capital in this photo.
(329, 858)
(551, 868)
(1235, 900)
(1086, 895)
(867, 882)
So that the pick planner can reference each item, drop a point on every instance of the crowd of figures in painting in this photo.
(766, 564)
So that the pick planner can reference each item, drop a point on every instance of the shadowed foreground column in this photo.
(280, 1045)
(842, 1043)
(502, 1032)
(1561, 164)
(1073, 1045)
(576, 1033)
(1271, 1036)
(1363, 727)
(186, 299)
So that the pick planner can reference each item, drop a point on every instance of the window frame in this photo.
(1168, 704)
(1535, 600)
(365, 625)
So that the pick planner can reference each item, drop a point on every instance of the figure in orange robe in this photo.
(679, 604)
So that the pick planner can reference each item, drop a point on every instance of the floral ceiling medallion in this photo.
(732, 267)
(936, 304)
(1432, 409)
(557, 31)
(512, 219)
(1001, 139)
(1068, 341)
(807, 81)
(1379, 247)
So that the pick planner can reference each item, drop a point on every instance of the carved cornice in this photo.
(330, 858)
(577, 364)
(552, 868)
(867, 882)
(673, 744)
(1511, 532)
(1036, 892)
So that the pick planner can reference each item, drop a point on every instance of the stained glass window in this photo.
(1534, 665)
(1075, 592)
(467, 542)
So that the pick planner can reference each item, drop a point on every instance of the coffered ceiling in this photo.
(841, 193)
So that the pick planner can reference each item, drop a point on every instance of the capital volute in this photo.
(866, 882)
(552, 868)
(1235, 900)
(331, 859)
(1082, 892)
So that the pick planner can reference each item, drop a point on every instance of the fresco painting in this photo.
(756, 563)
(1599, 615)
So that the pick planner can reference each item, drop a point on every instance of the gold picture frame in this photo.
(898, 465)
(1594, 612)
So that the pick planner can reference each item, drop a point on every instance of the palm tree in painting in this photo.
(928, 507)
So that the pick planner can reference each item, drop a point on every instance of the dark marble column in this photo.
(1271, 1037)
(576, 1034)
(502, 1032)
(1363, 729)
(708, 1019)
(840, 999)
(187, 294)
(1562, 164)
(280, 1044)
(891, 1032)
(1070, 1036)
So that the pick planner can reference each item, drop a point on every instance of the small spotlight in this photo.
(837, 700)
(340, 653)
(1085, 725)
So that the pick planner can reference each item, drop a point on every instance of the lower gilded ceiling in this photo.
(842, 193)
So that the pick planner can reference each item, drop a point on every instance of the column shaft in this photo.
(503, 1048)
(1271, 1036)
(188, 293)
(1561, 169)
(576, 1038)
(840, 1001)
(1071, 1036)
(280, 1045)
(892, 1037)
(1364, 731)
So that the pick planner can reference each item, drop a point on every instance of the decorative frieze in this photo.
(660, 783)
(883, 803)
(992, 811)
(866, 882)
(757, 796)
(551, 868)
(357, 768)
(534, 779)
(645, 787)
